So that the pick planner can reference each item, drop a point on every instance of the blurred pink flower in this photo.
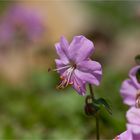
(133, 125)
(20, 23)
(74, 64)
(130, 89)
(133, 117)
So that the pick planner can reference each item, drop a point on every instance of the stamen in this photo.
(71, 83)
(78, 86)
(61, 68)
(62, 84)
(70, 71)
(77, 83)
(66, 80)
(62, 77)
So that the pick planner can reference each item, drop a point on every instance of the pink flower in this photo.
(74, 64)
(130, 89)
(133, 117)
(20, 23)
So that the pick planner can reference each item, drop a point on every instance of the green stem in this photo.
(97, 118)
(97, 128)
(91, 91)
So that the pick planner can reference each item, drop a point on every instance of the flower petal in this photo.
(87, 77)
(64, 45)
(78, 85)
(136, 136)
(59, 65)
(62, 54)
(132, 75)
(134, 128)
(128, 92)
(80, 49)
(133, 116)
(127, 135)
(91, 67)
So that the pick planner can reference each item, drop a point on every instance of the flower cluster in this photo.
(130, 92)
(74, 64)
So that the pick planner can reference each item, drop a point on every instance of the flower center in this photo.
(138, 99)
(66, 78)
(73, 64)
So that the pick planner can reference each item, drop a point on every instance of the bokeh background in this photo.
(30, 105)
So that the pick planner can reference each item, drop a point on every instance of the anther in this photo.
(71, 83)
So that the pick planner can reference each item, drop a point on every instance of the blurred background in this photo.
(30, 105)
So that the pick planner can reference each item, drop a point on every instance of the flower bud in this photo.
(90, 110)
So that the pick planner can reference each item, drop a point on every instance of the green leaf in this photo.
(102, 103)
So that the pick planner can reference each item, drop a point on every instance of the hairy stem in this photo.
(96, 117)
(97, 128)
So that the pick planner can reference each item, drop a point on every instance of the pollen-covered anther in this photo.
(64, 83)
(62, 77)
(71, 83)
(78, 87)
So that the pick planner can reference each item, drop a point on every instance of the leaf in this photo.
(102, 102)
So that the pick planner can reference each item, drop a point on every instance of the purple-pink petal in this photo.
(128, 92)
(60, 65)
(64, 44)
(127, 135)
(61, 53)
(79, 85)
(132, 75)
(91, 67)
(80, 49)
(87, 77)
(133, 117)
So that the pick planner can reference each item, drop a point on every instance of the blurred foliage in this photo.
(114, 16)
(4, 4)
(36, 110)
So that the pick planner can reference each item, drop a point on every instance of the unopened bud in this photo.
(90, 110)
